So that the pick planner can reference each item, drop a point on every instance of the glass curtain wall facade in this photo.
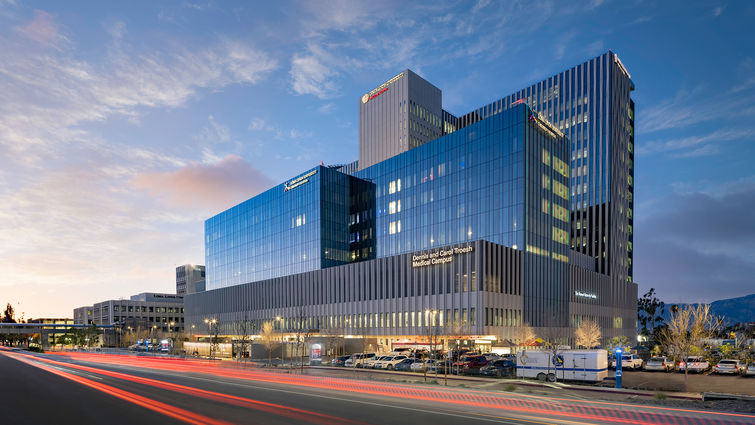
(503, 180)
(297, 226)
(591, 103)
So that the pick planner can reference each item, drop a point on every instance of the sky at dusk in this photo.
(123, 126)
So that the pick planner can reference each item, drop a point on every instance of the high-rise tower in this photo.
(398, 115)
(591, 104)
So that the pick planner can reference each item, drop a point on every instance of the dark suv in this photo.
(473, 364)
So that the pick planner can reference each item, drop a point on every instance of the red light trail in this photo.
(162, 408)
(513, 403)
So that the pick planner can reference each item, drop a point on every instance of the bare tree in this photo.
(433, 331)
(302, 333)
(588, 334)
(268, 338)
(687, 328)
(456, 330)
(555, 339)
(244, 329)
(525, 334)
(334, 340)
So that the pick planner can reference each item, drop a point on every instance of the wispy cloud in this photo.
(312, 73)
(338, 42)
(718, 10)
(260, 125)
(214, 132)
(43, 29)
(709, 140)
(686, 109)
(70, 212)
(116, 29)
(205, 187)
(326, 108)
(48, 94)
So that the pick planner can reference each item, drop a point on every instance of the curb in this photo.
(678, 396)
(724, 396)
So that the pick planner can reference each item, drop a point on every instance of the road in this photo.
(84, 388)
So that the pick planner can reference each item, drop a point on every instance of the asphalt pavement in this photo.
(92, 388)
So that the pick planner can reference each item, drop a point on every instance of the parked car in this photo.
(440, 366)
(339, 361)
(458, 365)
(405, 365)
(695, 364)
(629, 361)
(659, 363)
(750, 370)
(499, 368)
(729, 367)
(388, 362)
(370, 363)
(472, 367)
(421, 365)
(358, 359)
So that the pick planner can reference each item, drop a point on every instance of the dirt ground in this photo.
(697, 383)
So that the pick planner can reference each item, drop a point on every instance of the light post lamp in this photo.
(210, 324)
(192, 331)
(278, 325)
(431, 333)
(170, 331)
(152, 335)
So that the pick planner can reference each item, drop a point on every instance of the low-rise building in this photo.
(56, 329)
(145, 311)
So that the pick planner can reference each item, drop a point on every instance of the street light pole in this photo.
(278, 324)
(170, 332)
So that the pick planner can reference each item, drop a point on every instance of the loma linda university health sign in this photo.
(440, 256)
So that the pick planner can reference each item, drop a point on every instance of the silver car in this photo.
(660, 364)
(729, 367)
(750, 370)
(695, 364)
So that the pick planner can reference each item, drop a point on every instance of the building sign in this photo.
(440, 256)
(315, 352)
(585, 295)
(541, 122)
(299, 180)
(381, 89)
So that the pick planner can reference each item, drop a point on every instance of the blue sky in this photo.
(124, 126)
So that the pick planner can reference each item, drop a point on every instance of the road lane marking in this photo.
(154, 405)
(629, 410)
(301, 415)
(446, 412)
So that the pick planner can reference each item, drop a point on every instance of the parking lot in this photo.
(665, 382)
(697, 383)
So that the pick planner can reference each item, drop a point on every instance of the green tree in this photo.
(650, 312)
(726, 350)
(619, 342)
(92, 336)
(9, 315)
